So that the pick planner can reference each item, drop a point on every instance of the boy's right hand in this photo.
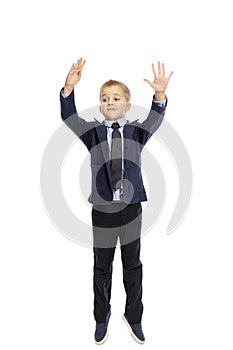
(73, 76)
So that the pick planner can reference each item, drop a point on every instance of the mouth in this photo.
(111, 109)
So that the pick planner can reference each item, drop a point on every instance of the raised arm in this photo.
(69, 114)
(144, 131)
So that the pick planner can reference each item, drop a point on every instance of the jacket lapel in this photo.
(102, 135)
(128, 131)
(101, 130)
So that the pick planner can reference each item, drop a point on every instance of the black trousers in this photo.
(110, 223)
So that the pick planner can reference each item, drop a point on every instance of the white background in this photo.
(46, 279)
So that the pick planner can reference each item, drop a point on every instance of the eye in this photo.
(104, 100)
(116, 99)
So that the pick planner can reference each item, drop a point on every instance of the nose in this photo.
(111, 101)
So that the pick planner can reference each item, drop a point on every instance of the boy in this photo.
(117, 189)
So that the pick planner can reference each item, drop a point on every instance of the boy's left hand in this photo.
(160, 82)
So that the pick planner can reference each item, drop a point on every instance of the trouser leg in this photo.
(102, 282)
(132, 279)
(104, 242)
(132, 267)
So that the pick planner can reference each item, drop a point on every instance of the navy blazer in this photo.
(94, 136)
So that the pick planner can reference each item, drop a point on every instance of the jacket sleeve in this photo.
(144, 130)
(78, 125)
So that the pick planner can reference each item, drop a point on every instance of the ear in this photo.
(100, 108)
(128, 106)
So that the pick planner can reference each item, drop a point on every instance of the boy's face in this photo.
(113, 103)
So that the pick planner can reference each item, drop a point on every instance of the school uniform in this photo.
(116, 213)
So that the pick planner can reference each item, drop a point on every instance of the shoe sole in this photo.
(102, 341)
(135, 338)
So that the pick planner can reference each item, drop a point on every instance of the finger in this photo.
(163, 69)
(170, 75)
(83, 63)
(78, 63)
(159, 68)
(153, 68)
(148, 82)
(72, 67)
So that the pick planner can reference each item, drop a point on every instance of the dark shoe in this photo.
(101, 334)
(135, 331)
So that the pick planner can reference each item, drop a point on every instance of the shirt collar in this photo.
(122, 121)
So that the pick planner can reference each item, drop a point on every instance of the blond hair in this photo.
(111, 82)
